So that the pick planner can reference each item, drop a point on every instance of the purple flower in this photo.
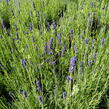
(71, 69)
(48, 27)
(54, 25)
(39, 86)
(40, 99)
(17, 36)
(64, 50)
(86, 41)
(103, 40)
(33, 39)
(75, 49)
(73, 61)
(36, 48)
(23, 62)
(53, 62)
(59, 38)
(45, 48)
(25, 94)
(71, 31)
(69, 78)
(64, 94)
(51, 43)
(50, 52)
(15, 26)
(12, 12)
(30, 27)
(26, 46)
(89, 63)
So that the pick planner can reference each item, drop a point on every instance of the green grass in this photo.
(82, 26)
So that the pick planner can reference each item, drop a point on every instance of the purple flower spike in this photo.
(17, 36)
(33, 40)
(48, 27)
(36, 48)
(73, 61)
(40, 99)
(89, 63)
(71, 69)
(30, 27)
(86, 41)
(51, 53)
(64, 94)
(54, 25)
(23, 62)
(45, 48)
(51, 44)
(71, 31)
(12, 12)
(25, 94)
(69, 78)
(59, 38)
(39, 86)
(64, 50)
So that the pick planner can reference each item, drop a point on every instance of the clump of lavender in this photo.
(64, 94)
(40, 99)
(64, 50)
(39, 86)
(45, 48)
(73, 61)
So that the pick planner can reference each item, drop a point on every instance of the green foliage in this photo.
(78, 28)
